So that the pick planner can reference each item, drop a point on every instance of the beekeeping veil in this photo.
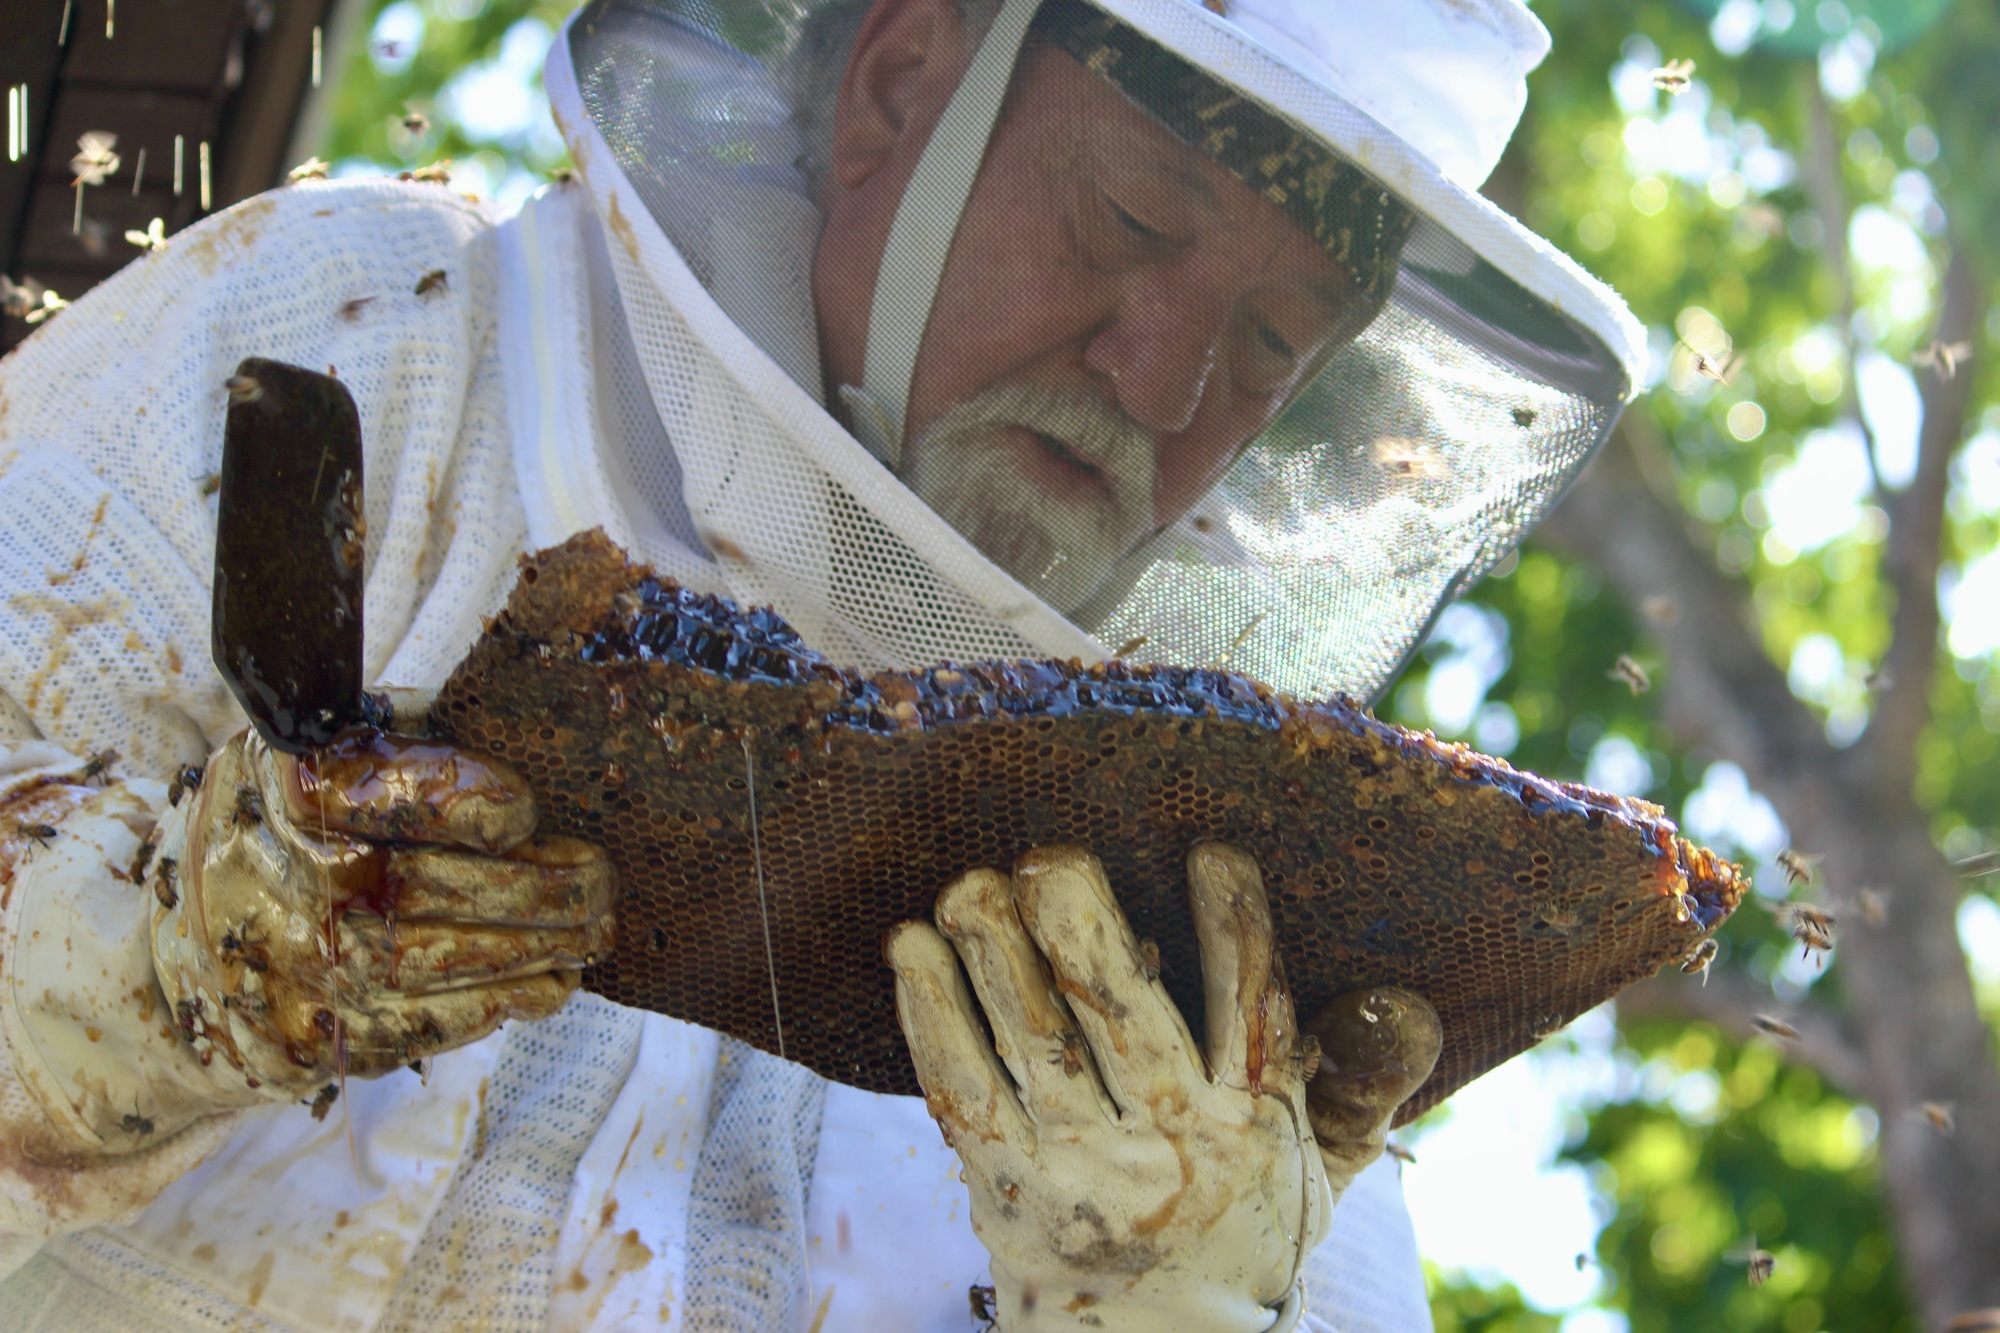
(1405, 463)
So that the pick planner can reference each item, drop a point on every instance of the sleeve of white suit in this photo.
(111, 426)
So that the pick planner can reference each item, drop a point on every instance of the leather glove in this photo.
(362, 907)
(1122, 1176)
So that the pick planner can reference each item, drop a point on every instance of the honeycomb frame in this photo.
(646, 717)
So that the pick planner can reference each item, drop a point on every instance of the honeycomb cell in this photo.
(1389, 857)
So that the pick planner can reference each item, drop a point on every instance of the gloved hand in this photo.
(363, 907)
(1123, 1177)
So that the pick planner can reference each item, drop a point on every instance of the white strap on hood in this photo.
(920, 237)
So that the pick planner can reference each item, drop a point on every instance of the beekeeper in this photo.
(949, 328)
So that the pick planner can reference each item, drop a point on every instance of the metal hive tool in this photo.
(642, 713)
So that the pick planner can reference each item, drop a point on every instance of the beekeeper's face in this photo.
(1117, 317)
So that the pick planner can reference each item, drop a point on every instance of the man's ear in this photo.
(906, 63)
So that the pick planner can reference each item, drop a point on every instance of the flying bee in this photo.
(1709, 367)
(1799, 867)
(1660, 610)
(563, 175)
(1985, 863)
(1878, 679)
(1627, 670)
(1402, 457)
(41, 833)
(186, 781)
(1760, 1262)
(1940, 1116)
(1874, 908)
(243, 389)
(1399, 1152)
(249, 806)
(416, 122)
(1809, 925)
(94, 160)
(1774, 1027)
(351, 310)
(1674, 76)
(1975, 1321)
(152, 240)
(1943, 357)
(433, 281)
(1700, 959)
(165, 876)
(1132, 645)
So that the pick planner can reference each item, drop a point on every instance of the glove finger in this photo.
(1034, 1033)
(966, 1088)
(545, 881)
(387, 1031)
(1136, 1035)
(1377, 1046)
(1251, 1031)
(424, 957)
(405, 789)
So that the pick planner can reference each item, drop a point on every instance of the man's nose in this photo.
(1159, 350)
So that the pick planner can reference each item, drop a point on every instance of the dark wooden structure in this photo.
(228, 73)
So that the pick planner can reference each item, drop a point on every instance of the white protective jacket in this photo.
(603, 1169)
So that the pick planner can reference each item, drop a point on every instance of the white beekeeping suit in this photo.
(635, 351)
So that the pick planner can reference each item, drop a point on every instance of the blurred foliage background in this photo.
(1787, 215)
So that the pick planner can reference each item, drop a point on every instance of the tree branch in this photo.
(1729, 1001)
(1819, 174)
(1915, 543)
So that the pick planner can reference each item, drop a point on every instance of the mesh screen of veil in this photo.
(1400, 466)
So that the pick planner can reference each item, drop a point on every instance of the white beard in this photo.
(1061, 548)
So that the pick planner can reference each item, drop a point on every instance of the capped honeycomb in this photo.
(735, 777)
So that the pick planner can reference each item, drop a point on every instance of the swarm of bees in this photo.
(1943, 357)
(1760, 1263)
(1631, 673)
(1674, 77)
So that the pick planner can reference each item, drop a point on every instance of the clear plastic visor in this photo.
(1206, 422)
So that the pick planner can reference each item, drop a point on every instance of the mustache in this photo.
(1085, 426)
